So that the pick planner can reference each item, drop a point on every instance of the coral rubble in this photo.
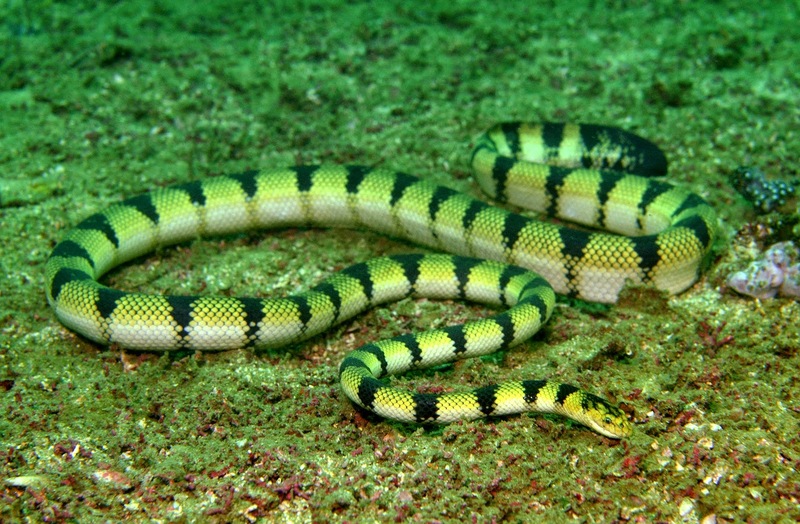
(776, 273)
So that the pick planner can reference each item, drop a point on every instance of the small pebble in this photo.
(113, 479)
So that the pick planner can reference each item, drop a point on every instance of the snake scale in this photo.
(591, 175)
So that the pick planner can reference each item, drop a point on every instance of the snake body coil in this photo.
(553, 168)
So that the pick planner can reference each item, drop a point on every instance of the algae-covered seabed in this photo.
(102, 102)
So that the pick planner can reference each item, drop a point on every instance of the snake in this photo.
(631, 229)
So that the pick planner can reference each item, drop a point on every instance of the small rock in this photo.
(113, 479)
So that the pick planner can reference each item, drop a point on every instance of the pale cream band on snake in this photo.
(591, 175)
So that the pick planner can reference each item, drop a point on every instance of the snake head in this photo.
(604, 418)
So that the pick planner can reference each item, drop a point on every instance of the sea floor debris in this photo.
(776, 273)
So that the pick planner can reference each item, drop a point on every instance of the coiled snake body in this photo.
(579, 173)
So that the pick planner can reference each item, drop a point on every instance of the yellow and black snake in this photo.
(582, 173)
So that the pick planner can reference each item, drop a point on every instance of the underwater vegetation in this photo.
(25, 192)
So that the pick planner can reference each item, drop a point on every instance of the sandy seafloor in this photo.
(100, 102)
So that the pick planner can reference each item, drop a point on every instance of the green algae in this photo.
(109, 100)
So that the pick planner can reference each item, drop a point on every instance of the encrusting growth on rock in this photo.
(776, 273)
